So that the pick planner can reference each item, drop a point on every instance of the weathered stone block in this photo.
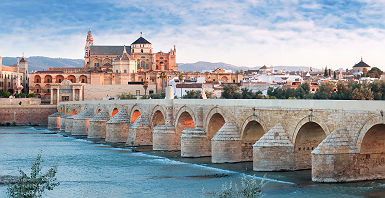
(97, 129)
(63, 122)
(164, 138)
(140, 132)
(226, 144)
(116, 132)
(273, 151)
(69, 124)
(54, 121)
(194, 143)
(80, 126)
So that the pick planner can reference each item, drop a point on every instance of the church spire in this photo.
(90, 39)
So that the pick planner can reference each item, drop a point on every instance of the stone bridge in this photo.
(339, 140)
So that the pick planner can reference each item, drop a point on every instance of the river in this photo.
(94, 169)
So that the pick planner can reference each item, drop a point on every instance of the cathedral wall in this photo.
(97, 92)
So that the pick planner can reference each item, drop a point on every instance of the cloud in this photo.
(249, 32)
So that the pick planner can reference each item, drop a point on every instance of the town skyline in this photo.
(248, 33)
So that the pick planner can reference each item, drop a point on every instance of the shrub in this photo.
(34, 185)
(124, 96)
(250, 187)
(158, 96)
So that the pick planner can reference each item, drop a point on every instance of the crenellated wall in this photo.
(274, 134)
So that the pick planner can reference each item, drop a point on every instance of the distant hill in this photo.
(42, 63)
(201, 65)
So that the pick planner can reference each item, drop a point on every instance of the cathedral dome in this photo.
(361, 64)
(23, 60)
(141, 40)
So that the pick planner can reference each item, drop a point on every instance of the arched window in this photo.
(125, 71)
(141, 50)
(138, 66)
(142, 64)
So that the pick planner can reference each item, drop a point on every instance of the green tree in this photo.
(162, 76)
(375, 72)
(326, 72)
(230, 92)
(193, 94)
(34, 185)
(181, 77)
(5, 94)
(145, 86)
(325, 91)
(246, 93)
(209, 94)
(334, 75)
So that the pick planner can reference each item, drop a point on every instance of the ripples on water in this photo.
(89, 169)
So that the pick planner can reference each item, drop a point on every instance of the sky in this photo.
(250, 33)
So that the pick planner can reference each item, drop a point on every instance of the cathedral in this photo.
(109, 71)
(137, 57)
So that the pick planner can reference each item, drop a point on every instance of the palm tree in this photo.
(145, 86)
(181, 77)
(162, 76)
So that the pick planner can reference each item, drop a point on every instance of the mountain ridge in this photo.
(37, 63)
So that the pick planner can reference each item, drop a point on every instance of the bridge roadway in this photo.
(339, 140)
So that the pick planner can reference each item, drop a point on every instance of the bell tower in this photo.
(87, 49)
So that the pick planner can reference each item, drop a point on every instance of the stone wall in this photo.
(16, 101)
(26, 114)
(97, 92)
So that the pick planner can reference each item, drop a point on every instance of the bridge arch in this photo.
(185, 119)
(114, 112)
(213, 111)
(158, 116)
(369, 124)
(135, 113)
(305, 120)
(183, 110)
(252, 130)
(308, 135)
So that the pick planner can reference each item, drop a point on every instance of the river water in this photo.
(90, 169)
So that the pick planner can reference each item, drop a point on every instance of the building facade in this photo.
(14, 78)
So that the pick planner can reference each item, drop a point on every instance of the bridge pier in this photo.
(69, 124)
(54, 121)
(97, 125)
(336, 160)
(117, 128)
(273, 151)
(165, 138)
(226, 144)
(63, 122)
(81, 122)
(194, 143)
(140, 132)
